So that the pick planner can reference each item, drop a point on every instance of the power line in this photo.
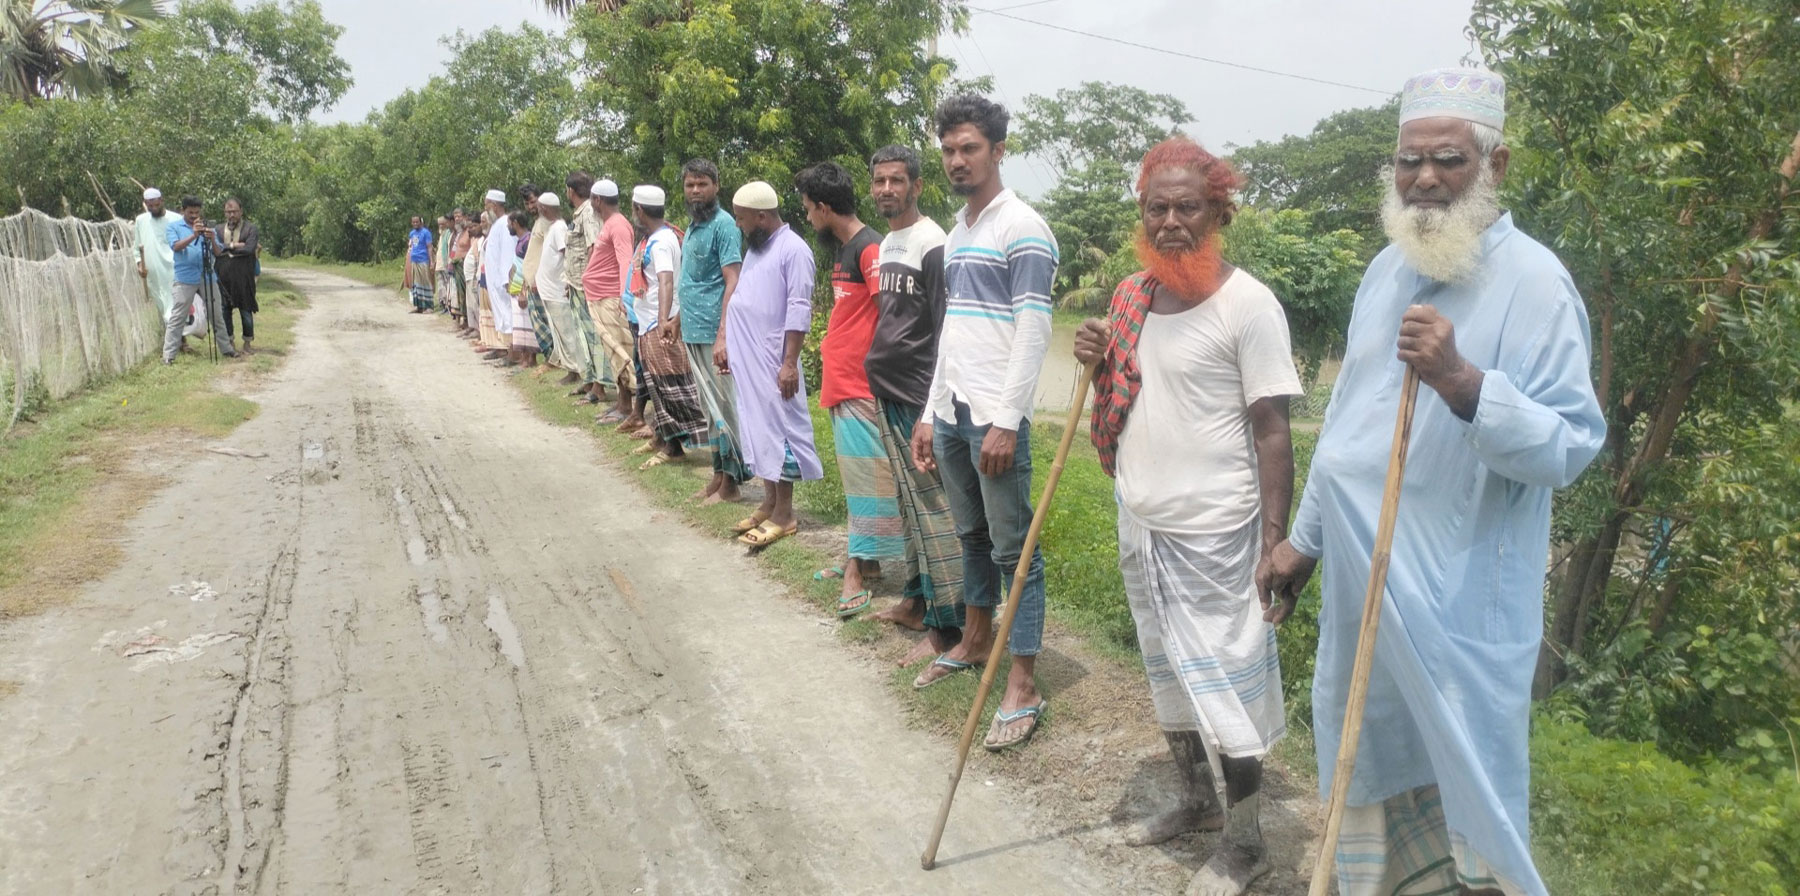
(1238, 65)
(1017, 6)
(1029, 158)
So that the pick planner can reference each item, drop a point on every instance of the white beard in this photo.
(1444, 244)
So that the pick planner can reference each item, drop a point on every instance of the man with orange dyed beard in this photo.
(1191, 420)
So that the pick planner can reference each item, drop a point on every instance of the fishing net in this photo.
(73, 310)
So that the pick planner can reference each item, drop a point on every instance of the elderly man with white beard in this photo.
(1493, 325)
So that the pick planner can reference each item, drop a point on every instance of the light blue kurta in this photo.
(1449, 696)
(151, 240)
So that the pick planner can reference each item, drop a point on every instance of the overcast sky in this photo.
(393, 44)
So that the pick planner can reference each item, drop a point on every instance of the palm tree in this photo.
(65, 47)
(566, 8)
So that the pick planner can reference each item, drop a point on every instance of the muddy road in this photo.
(429, 644)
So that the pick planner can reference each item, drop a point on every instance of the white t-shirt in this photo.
(1187, 459)
(662, 255)
(550, 285)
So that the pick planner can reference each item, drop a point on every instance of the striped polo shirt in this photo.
(998, 271)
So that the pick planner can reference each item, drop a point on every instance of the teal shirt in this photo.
(709, 247)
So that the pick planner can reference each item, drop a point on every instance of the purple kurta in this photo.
(773, 297)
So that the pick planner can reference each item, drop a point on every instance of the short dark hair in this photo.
(700, 168)
(530, 191)
(828, 184)
(894, 152)
(581, 183)
(190, 202)
(986, 115)
(230, 199)
(654, 212)
(521, 219)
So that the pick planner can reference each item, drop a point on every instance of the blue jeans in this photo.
(992, 514)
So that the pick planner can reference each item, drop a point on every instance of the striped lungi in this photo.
(567, 348)
(523, 334)
(420, 273)
(540, 324)
(677, 416)
(1210, 656)
(934, 569)
(1401, 846)
(586, 339)
(718, 395)
(876, 530)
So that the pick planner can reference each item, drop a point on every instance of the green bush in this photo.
(1613, 816)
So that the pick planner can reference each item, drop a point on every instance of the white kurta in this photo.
(151, 240)
(497, 258)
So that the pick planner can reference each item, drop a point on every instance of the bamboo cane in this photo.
(1365, 639)
(929, 860)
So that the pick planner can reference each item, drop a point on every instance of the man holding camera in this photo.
(188, 240)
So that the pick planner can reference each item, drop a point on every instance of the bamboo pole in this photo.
(973, 722)
(1365, 639)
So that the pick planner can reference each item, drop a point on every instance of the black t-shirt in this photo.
(910, 297)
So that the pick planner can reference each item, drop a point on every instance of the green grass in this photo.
(56, 457)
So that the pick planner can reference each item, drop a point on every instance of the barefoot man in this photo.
(999, 264)
(1490, 320)
(909, 301)
(765, 323)
(1191, 419)
(828, 195)
(711, 258)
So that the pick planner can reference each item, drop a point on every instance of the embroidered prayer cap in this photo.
(152, 193)
(606, 189)
(549, 199)
(497, 196)
(1469, 94)
(756, 194)
(648, 195)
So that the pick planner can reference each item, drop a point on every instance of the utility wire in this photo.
(1239, 65)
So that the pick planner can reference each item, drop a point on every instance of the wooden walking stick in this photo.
(1365, 639)
(929, 860)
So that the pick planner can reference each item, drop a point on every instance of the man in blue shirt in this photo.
(419, 267)
(710, 261)
(188, 240)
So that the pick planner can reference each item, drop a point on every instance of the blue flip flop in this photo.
(1002, 719)
(834, 572)
(954, 666)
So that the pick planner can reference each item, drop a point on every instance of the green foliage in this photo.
(1617, 817)
(289, 48)
(1096, 128)
(1332, 174)
(1315, 274)
(761, 89)
(67, 47)
(1648, 143)
(1093, 219)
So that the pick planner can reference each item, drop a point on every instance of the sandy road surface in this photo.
(414, 674)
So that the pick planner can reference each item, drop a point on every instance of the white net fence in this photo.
(73, 310)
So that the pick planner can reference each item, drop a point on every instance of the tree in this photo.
(66, 47)
(1093, 136)
(1098, 122)
(1332, 174)
(1313, 272)
(290, 47)
(1654, 148)
(762, 89)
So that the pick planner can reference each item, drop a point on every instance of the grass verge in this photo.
(78, 461)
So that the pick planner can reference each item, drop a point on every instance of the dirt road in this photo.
(429, 644)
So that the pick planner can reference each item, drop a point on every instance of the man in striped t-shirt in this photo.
(999, 262)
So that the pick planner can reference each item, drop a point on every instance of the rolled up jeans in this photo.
(185, 294)
(992, 515)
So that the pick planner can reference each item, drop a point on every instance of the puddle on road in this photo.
(415, 543)
(501, 625)
(432, 607)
